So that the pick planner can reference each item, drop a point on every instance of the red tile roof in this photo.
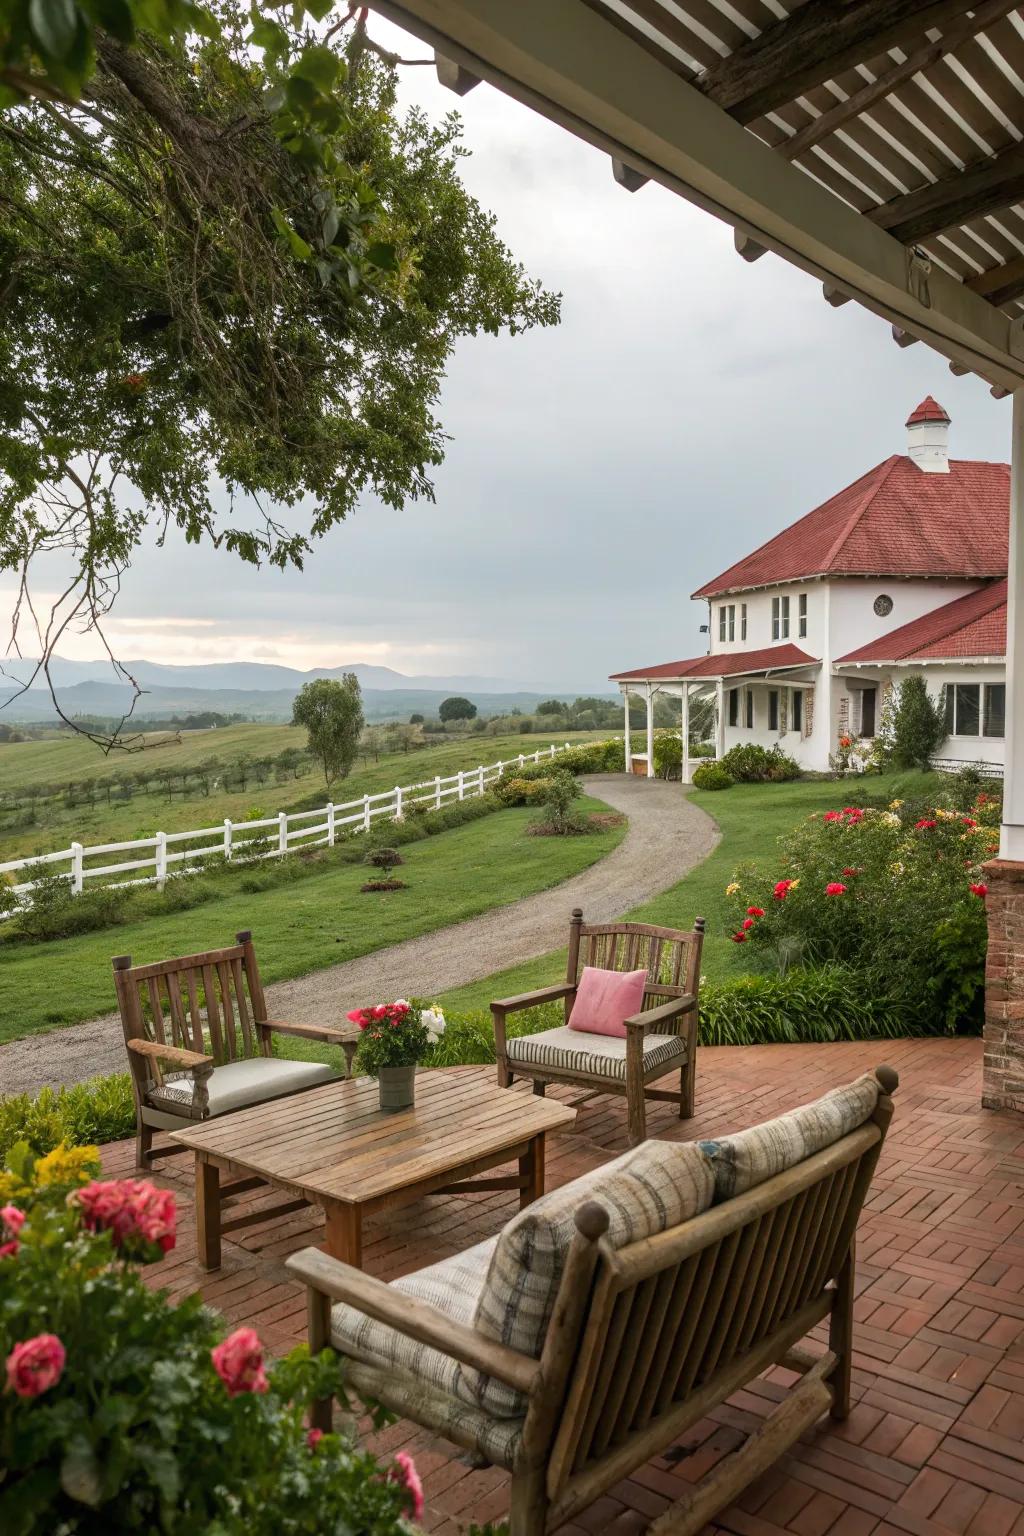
(974, 625)
(897, 520)
(928, 410)
(726, 664)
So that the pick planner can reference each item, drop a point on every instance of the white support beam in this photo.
(625, 732)
(1011, 837)
(720, 718)
(684, 771)
(650, 730)
(571, 63)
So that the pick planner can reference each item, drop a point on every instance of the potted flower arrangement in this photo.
(395, 1039)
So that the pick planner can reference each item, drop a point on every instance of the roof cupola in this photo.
(928, 437)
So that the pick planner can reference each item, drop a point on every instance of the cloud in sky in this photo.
(687, 408)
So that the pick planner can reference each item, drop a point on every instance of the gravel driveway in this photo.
(667, 836)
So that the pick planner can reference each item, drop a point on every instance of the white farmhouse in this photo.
(902, 572)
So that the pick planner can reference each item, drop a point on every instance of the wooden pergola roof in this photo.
(878, 144)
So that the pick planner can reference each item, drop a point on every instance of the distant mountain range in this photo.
(264, 692)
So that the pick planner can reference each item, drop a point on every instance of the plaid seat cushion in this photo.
(573, 1050)
(496, 1439)
(453, 1287)
(748, 1158)
(650, 1188)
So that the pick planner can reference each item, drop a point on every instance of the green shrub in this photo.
(712, 776)
(520, 791)
(668, 756)
(702, 749)
(918, 726)
(100, 1110)
(558, 817)
(751, 764)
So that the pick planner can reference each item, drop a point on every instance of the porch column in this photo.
(625, 734)
(720, 718)
(684, 773)
(1003, 1076)
(650, 731)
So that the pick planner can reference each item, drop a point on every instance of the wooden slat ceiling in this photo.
(912, 112)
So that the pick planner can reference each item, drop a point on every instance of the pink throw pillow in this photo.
(605, 999)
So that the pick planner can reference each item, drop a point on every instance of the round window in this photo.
(883, 605)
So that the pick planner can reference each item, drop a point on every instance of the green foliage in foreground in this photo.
(82, 1115)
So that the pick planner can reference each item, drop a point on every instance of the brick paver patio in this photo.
(935, 1443)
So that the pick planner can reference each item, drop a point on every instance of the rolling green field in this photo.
(60, 760)
(754, 820)
(319, 921)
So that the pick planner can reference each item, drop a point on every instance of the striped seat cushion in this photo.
(468, 1425)
(650, 1188)
(453, 1287)
(572, 1050)
(748, 1158)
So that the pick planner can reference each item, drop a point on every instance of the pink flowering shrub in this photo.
(894, 893)
(120, 1411)
(394, 1035)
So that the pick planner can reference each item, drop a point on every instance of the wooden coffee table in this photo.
(334, 1147)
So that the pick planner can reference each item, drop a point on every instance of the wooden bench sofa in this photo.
(615, 1312)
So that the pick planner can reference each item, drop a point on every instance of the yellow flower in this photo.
(890, 819)
(68, 1165)
(896, 869)
(894, 805)
(11, 1188)
(731, 890)
(793, 884)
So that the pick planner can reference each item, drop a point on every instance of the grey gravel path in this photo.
(667, 836)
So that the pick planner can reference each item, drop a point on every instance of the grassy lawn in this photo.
(59, 761)
(753, 820)
(304, 926)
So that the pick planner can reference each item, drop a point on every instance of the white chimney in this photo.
(928, 437)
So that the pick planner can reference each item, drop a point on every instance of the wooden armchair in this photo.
(200, 1043)
(659, 1039)
(612, 1314)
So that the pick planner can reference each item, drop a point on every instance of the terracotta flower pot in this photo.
(397, 1087)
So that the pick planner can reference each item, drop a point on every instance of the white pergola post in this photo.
(1011, 838)
(650, 731)
(625, 733)
(720, 718)
(684, 772)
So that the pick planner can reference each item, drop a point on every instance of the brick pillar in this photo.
(1003, 1076)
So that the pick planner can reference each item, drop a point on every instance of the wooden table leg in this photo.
(321, 1410)
(531, 1168)
(207, 1213)
(344, 1233)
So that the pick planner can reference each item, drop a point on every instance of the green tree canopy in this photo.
(332, 713)
(918, 725)
(456, 708)
(231, 275)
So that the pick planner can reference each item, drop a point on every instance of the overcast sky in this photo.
(687, 408)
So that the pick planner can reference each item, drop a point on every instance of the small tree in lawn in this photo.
(918, 727)
(456, 709)
(332, 713)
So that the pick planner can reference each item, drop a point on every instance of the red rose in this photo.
(11, 1222)
(748, 922)
(924, 824)
(968, 821)
(755, 911)
(738, 938)
(238, 1362)
(313, 1438)
(835, 888)
(35, 1365)
(849, 870)
(979, 890)
(833, 816)
(133, 1211)
(782, 890)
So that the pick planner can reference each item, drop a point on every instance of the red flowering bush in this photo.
(121, 1412)
(394, 1035)
(884, 892)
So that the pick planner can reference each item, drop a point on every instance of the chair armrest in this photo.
(676, 1005)
(413, 1318)
(328, 1032)
(170, 1053)
(532, 999)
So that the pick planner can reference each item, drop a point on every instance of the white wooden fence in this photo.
(167, 853)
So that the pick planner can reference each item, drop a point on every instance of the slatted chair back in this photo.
(670, 956)
(677, 1322)
(211, 1002)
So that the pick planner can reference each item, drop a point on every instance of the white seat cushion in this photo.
(235, 1085)
(572, 1050)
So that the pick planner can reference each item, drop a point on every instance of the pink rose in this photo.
(11, 1222)
(835, 888)
(238, 1362)
(355, 1016)
(138, 1216)
(313, 1438)
(404, 1472)
(35, 1365)
(380, 1011)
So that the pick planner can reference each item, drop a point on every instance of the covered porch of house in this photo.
(758, 696)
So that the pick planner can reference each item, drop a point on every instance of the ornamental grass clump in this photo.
(896, 894)
(121, 1412)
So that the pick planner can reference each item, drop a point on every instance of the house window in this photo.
(780, 618)
(796, 717)
(868, 697)
(995, 709)
(734, 706)
(732, 621)
(801, 612)
(750, 709)
(963, 709)
(743, 621)
(773, 708)
(721, 622)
